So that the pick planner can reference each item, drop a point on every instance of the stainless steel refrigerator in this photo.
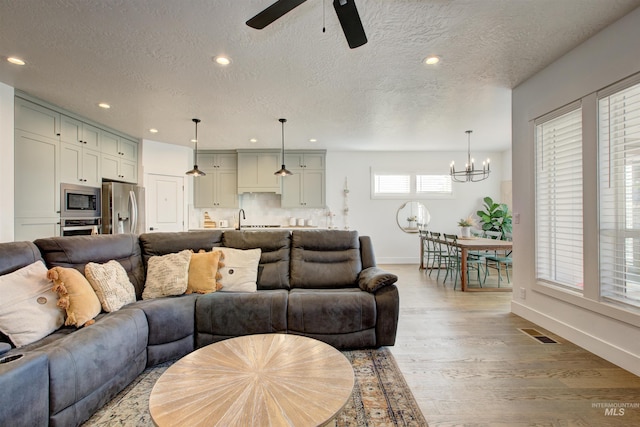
(122, 208)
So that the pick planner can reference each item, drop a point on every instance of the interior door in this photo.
(165, 202)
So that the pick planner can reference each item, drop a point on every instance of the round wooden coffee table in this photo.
(271, 379)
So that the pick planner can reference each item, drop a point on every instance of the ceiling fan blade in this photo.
(273, 12)
(350, 22)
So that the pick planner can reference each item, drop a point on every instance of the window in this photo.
(559, 198)
(437, 184)
(392, 184)
(619, 195)
(408, 185)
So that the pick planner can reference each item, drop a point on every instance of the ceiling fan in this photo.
(345, 9)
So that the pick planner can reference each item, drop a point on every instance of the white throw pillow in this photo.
(111, 284)
(28, 309)
(167, 275)
(240, 271)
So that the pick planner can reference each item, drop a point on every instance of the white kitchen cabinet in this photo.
(79, 165)
(256, 171)
(37, 188)
(306, 188)
(74, 131)
(218, 188)
(119, 159)
(36, 119)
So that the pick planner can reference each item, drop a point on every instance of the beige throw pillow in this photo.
(111, 284)
(75, 295)
(240, 271)
(167, 275)
(28, 309)
(203, 272)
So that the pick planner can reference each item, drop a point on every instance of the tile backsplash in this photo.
(260, 209)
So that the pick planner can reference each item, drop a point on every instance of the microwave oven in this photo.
(79, 201)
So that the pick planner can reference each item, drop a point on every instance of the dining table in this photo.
(466, 244)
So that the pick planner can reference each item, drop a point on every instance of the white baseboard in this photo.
(597, 346)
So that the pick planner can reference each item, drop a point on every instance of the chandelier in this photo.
(470, 173)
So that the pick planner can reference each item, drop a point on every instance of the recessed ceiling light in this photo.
(153, 130)
(104, 105)
(222, 60)
(16, 61)
(253, 140)
(313, 140)
(432, 60)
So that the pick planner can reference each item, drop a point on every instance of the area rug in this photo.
(380, 396)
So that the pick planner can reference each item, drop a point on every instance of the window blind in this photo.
(619, 195)
(392, 184)
(433, 184)
(559, 200)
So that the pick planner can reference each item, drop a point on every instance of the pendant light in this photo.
(283, 170)
(470, 173)
(195, 171)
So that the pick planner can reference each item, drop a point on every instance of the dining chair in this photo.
(497, 260)
(429, 250)
(495, 235)
(441, 251)
(475, 232)
(455, 261)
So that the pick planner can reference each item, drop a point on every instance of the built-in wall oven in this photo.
(80, 227)
(80, 210)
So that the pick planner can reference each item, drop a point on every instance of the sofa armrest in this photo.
(373, 278)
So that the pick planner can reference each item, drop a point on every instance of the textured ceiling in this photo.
(152, 61)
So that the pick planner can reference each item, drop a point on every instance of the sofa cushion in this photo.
(167, 275)
(221, 315)
(28, 310)
(111, 284)
(325, 259)
(273, 272)
(77, 251)
(240, 270)
(330, 311)
(75, 295)
(203, 272)
(156, 244)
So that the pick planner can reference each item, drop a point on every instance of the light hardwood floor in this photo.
(467, 364)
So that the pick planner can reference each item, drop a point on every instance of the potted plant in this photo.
(412, 221)
(495, 216)
(465, 225)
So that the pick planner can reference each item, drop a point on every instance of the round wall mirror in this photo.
(412, 217)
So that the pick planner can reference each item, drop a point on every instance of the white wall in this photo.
(377, 218)
(6, 163)
(604, 59)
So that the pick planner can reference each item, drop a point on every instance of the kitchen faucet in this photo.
(243, 217)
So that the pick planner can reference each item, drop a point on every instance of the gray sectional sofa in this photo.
(322, 284)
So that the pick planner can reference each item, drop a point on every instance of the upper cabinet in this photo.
(218, 188)
(256, 171)
(306, 187)
(74, 131)
(119, 158)
(33, 118)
